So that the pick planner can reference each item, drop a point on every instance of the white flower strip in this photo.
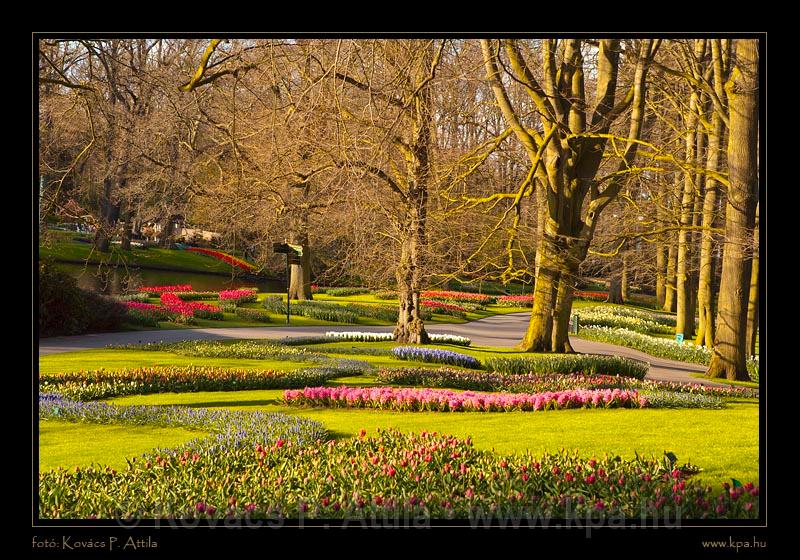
(358, 336)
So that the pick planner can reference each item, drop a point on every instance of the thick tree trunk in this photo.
(300, 284)
(661, 264)
(705, 334)
(752, 302)
(683, 322)
(615, 282)
(669, 292)
(410, 328)
(623, 280)
(108, 218)
(730, 342)
(127, 233)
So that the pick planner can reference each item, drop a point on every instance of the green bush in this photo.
(66, 309)
(252, 314)
(588, 364)
(228, 306)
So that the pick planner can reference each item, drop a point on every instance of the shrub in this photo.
(252, 314)
(103, 384)
(400, 476)
(660, 347)
(434, 355)
(342, 292)
(214, 314)
(442, 400)
(569, 363)
(66, 309)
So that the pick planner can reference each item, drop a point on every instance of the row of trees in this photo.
(411, 162)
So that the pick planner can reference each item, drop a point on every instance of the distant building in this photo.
(179, 231)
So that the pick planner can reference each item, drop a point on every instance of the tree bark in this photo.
(661, 264)
(752, 302)
(615, 282)
(705, 334)
(410, 328)
(300, 282)
(669, 292)
(730, 343)
(127, 232)
(624, 280)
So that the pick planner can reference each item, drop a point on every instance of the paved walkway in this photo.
(498, 330)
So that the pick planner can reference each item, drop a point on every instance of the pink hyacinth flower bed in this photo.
(442, 400)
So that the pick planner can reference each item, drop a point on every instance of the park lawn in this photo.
(172, 259)
(76, 444)
(751, 384)
(111, 359)
(702, 437)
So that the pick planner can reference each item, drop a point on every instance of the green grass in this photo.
(119, 359)
(72, 444)
(751, 384)
(723, 442)
(65, 249)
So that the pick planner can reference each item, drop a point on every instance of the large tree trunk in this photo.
(752, 302)
(669, 293)
(410, 328)
(623, 280)
(730, 342)
(300, 284)
(109, 212)
(661, 264)
(615, 281)
(705, 334)
(127, 233)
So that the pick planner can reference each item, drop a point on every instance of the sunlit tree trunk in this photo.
(730, 343)
(752, 302)
(661, 265)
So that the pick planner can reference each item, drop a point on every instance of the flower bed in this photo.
(442, 400)
(569, 363)
(591, 296)
(390, 476)
(238, 296)
(103, 384)
(385, 294)
(343, 292)
(140, 297)
(158, 290)
(252, 314)
(230, 259)
(533, 383)
(515, 301)
(464, 297)
(619, 317)
(357, 336)
(434, 355)
(190, 296)
(444, 308)
(174, 304)
(661, 347)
